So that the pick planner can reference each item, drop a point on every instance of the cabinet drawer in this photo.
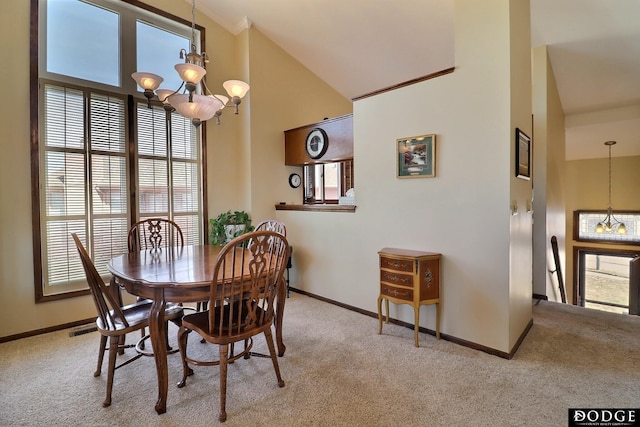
(396, 278)
(400, 293)
(396, 264)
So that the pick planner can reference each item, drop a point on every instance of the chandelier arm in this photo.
(206, 89)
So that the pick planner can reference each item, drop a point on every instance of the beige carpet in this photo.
(340, 372)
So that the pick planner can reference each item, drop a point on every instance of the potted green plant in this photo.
(228, 225)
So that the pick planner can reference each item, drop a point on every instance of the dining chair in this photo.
(243, 291)
(154, 234)
(278, 227)
(114, 321)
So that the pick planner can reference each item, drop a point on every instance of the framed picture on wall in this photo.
(416, 156)
(523, 155)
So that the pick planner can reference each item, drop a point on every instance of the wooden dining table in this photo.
(175, 274)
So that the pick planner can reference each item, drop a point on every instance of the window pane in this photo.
(61, 256)
(152, 131)
(184, 141)
(191, 228)
(107, 123)
(82, 41)
(331, 181)
(63, 117)
(587, 222)
(109, 240)
(153, 184)
(109, 184)
(186, 188)
(64, 183)
(158, 51)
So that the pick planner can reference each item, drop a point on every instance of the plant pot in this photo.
(233, 230)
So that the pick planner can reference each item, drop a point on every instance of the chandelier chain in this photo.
(610, 177)
(193, 29)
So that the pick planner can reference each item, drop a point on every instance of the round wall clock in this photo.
(295, 180)
(317, 143)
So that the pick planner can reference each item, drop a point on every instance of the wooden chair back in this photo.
(245, 285)
(110, 315)
(154, 233)
(272, 225)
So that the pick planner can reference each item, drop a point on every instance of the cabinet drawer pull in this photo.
(401, 265)
(397, 279)
(395, 292)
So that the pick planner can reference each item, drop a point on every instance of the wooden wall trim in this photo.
(407, 83)
(317, 208)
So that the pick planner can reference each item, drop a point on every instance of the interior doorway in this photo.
(603, 279)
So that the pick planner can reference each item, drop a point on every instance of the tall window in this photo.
(83, 169)
(105, 159)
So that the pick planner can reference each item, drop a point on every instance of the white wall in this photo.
(463, 213)
(549, 177)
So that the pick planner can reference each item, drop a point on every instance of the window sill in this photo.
(317, 208)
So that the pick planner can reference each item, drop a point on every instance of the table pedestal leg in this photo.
(157, 330)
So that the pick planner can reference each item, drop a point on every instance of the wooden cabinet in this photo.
(339, 132)
(409, 277)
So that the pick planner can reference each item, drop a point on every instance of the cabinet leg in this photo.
(386, 304)
(380, 315)
(416, 326)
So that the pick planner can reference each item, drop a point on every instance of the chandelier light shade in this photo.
(197, 108)
(610, 223)
(192, 99)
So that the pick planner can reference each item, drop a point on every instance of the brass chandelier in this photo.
(195, 102)
(610, 223)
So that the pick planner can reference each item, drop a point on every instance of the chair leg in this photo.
(224, 359)
(166, 336)
(103, 346)
(272, 351)
(113, 352)
(183, 335)
(142, 335)
(247, 355)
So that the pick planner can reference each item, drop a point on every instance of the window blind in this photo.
(85, 182)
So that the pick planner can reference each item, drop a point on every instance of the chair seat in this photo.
(136, 315)
(199, 322)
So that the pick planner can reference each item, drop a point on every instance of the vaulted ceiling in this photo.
(361, 46)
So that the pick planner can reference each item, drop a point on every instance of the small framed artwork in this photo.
(416, 156)
(523, 155)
